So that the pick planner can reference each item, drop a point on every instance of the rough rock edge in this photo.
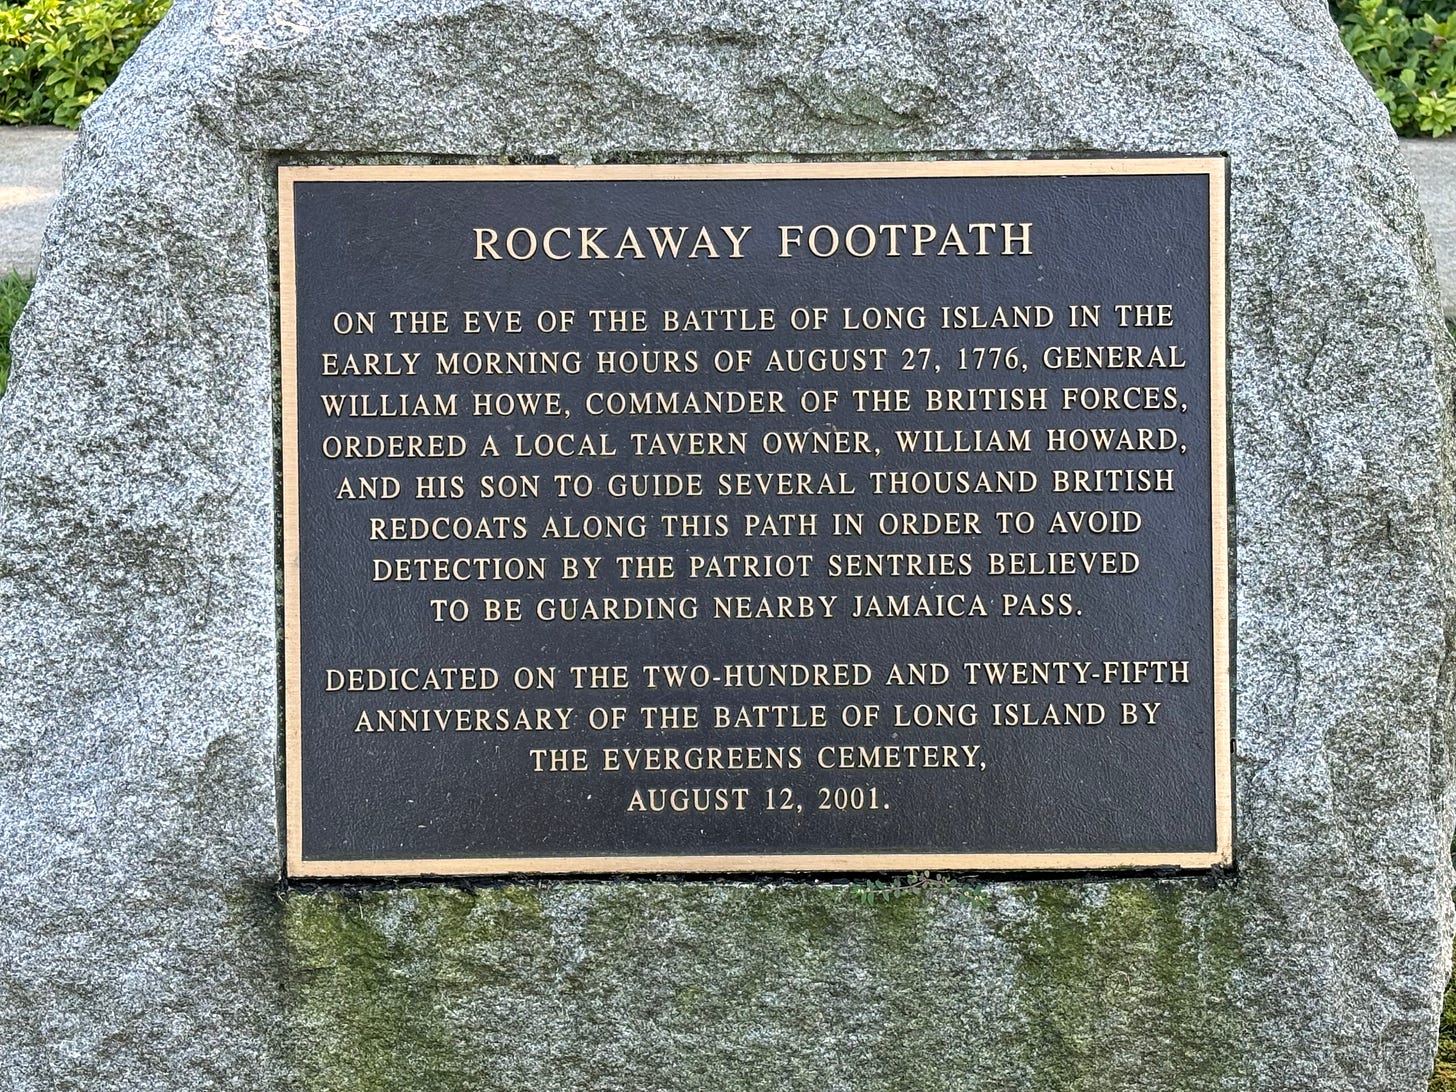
(133, 599)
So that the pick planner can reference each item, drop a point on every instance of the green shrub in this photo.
(14, 291)
(56, 56)
(1407, 50)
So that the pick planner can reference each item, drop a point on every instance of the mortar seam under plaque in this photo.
(757, 517)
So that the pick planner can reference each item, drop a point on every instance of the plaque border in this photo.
(1214, 167)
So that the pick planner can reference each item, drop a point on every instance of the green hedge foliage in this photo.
(1407, 50)
(56, 56)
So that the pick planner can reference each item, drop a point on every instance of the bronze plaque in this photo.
(811, 516)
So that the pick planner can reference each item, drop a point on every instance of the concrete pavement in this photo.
(30, 175)
(1433, 165)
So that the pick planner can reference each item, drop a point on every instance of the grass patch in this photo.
(14, 291)
(1444, 1077)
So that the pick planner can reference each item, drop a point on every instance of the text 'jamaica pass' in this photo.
(831, 516)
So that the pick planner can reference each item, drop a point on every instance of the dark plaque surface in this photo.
(811, 516)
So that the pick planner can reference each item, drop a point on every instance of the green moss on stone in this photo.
(638, 986)
(378, 980)
(1131, 984)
